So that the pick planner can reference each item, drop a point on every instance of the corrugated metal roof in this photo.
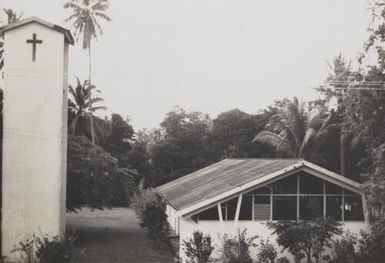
(219, 178)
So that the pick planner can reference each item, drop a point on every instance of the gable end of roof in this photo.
(67, 34)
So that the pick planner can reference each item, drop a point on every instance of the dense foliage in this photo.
(237, 249)
(267, 252)
(58, 249)
(198, 249)
(151, 213)
(94, 177)
(305, 238)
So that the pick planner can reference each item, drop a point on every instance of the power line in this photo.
(369, 85)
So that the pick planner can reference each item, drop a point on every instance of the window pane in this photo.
(310, 207)
(209, 214)
(246, 208)
(347, 192)
(332, 188)
(284, 207)
(310, 184)
(286, 185)
(231, 208)
(246, 212)
(261, 207)
(353, 208)
(334, 207)
(263, 190)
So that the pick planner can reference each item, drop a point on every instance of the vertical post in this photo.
(324, 200)
(271, 203)
(220, 217)
(297, 197)
(343, 205)
(365, 208)
(237, 211)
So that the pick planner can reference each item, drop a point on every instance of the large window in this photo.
(262, 204)
(284, 207)
(229, 209)
(299, 196)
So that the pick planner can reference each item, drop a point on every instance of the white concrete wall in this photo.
(34, 145)
(172, 219)
(213, 228)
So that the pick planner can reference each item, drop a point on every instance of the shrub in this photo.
(305, 238)
(267, 252)
(57, 249)
(198, 248)
(46, 250)
(344, 249)
(94, 178)
(237, 249)
(26, 250)
(372, 244)
(150, 211)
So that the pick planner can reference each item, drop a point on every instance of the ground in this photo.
(113, 236)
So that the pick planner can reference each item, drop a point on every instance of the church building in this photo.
(237, 194)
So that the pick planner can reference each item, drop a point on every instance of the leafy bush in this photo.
(94, 177)
(344, 249)
(237, 249)
(306, 238)
(267, 252)
(150, 211)
(372, 244)
(57, 249)
(198, 248)
(26, 250)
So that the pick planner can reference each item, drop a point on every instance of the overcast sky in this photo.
(210, 55)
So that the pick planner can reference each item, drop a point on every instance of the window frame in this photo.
(271, 194)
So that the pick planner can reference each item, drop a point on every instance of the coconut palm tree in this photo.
(84, 18)
(294, 131)
(12, 17)
(81, 105)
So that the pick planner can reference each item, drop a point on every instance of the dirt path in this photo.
(113, 236)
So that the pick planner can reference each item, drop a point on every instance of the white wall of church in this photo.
(34, 144)
(214, 229)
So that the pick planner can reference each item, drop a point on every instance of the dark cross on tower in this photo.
(34, 41)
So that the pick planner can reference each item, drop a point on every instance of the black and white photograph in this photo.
(192, 131)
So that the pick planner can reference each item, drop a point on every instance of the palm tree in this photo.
(294, 131)
(12, 17)
(81, 105)
(85, 22)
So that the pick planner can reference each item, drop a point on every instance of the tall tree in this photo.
(294, 131)
(337, 85)
(183, 147)
(84, 17)
(81, 106)
(232, 131)
(118, 142)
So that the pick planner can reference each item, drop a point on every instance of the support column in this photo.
(237, 211)
(220, 217)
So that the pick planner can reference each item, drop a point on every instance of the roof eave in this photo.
(323, 173)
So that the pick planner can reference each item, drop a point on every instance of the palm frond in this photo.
(307, 140)
(102, 15)
(98, 108)
(273, 140)
(96, 100)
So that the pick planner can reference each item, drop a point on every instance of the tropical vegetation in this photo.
(85, 20)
